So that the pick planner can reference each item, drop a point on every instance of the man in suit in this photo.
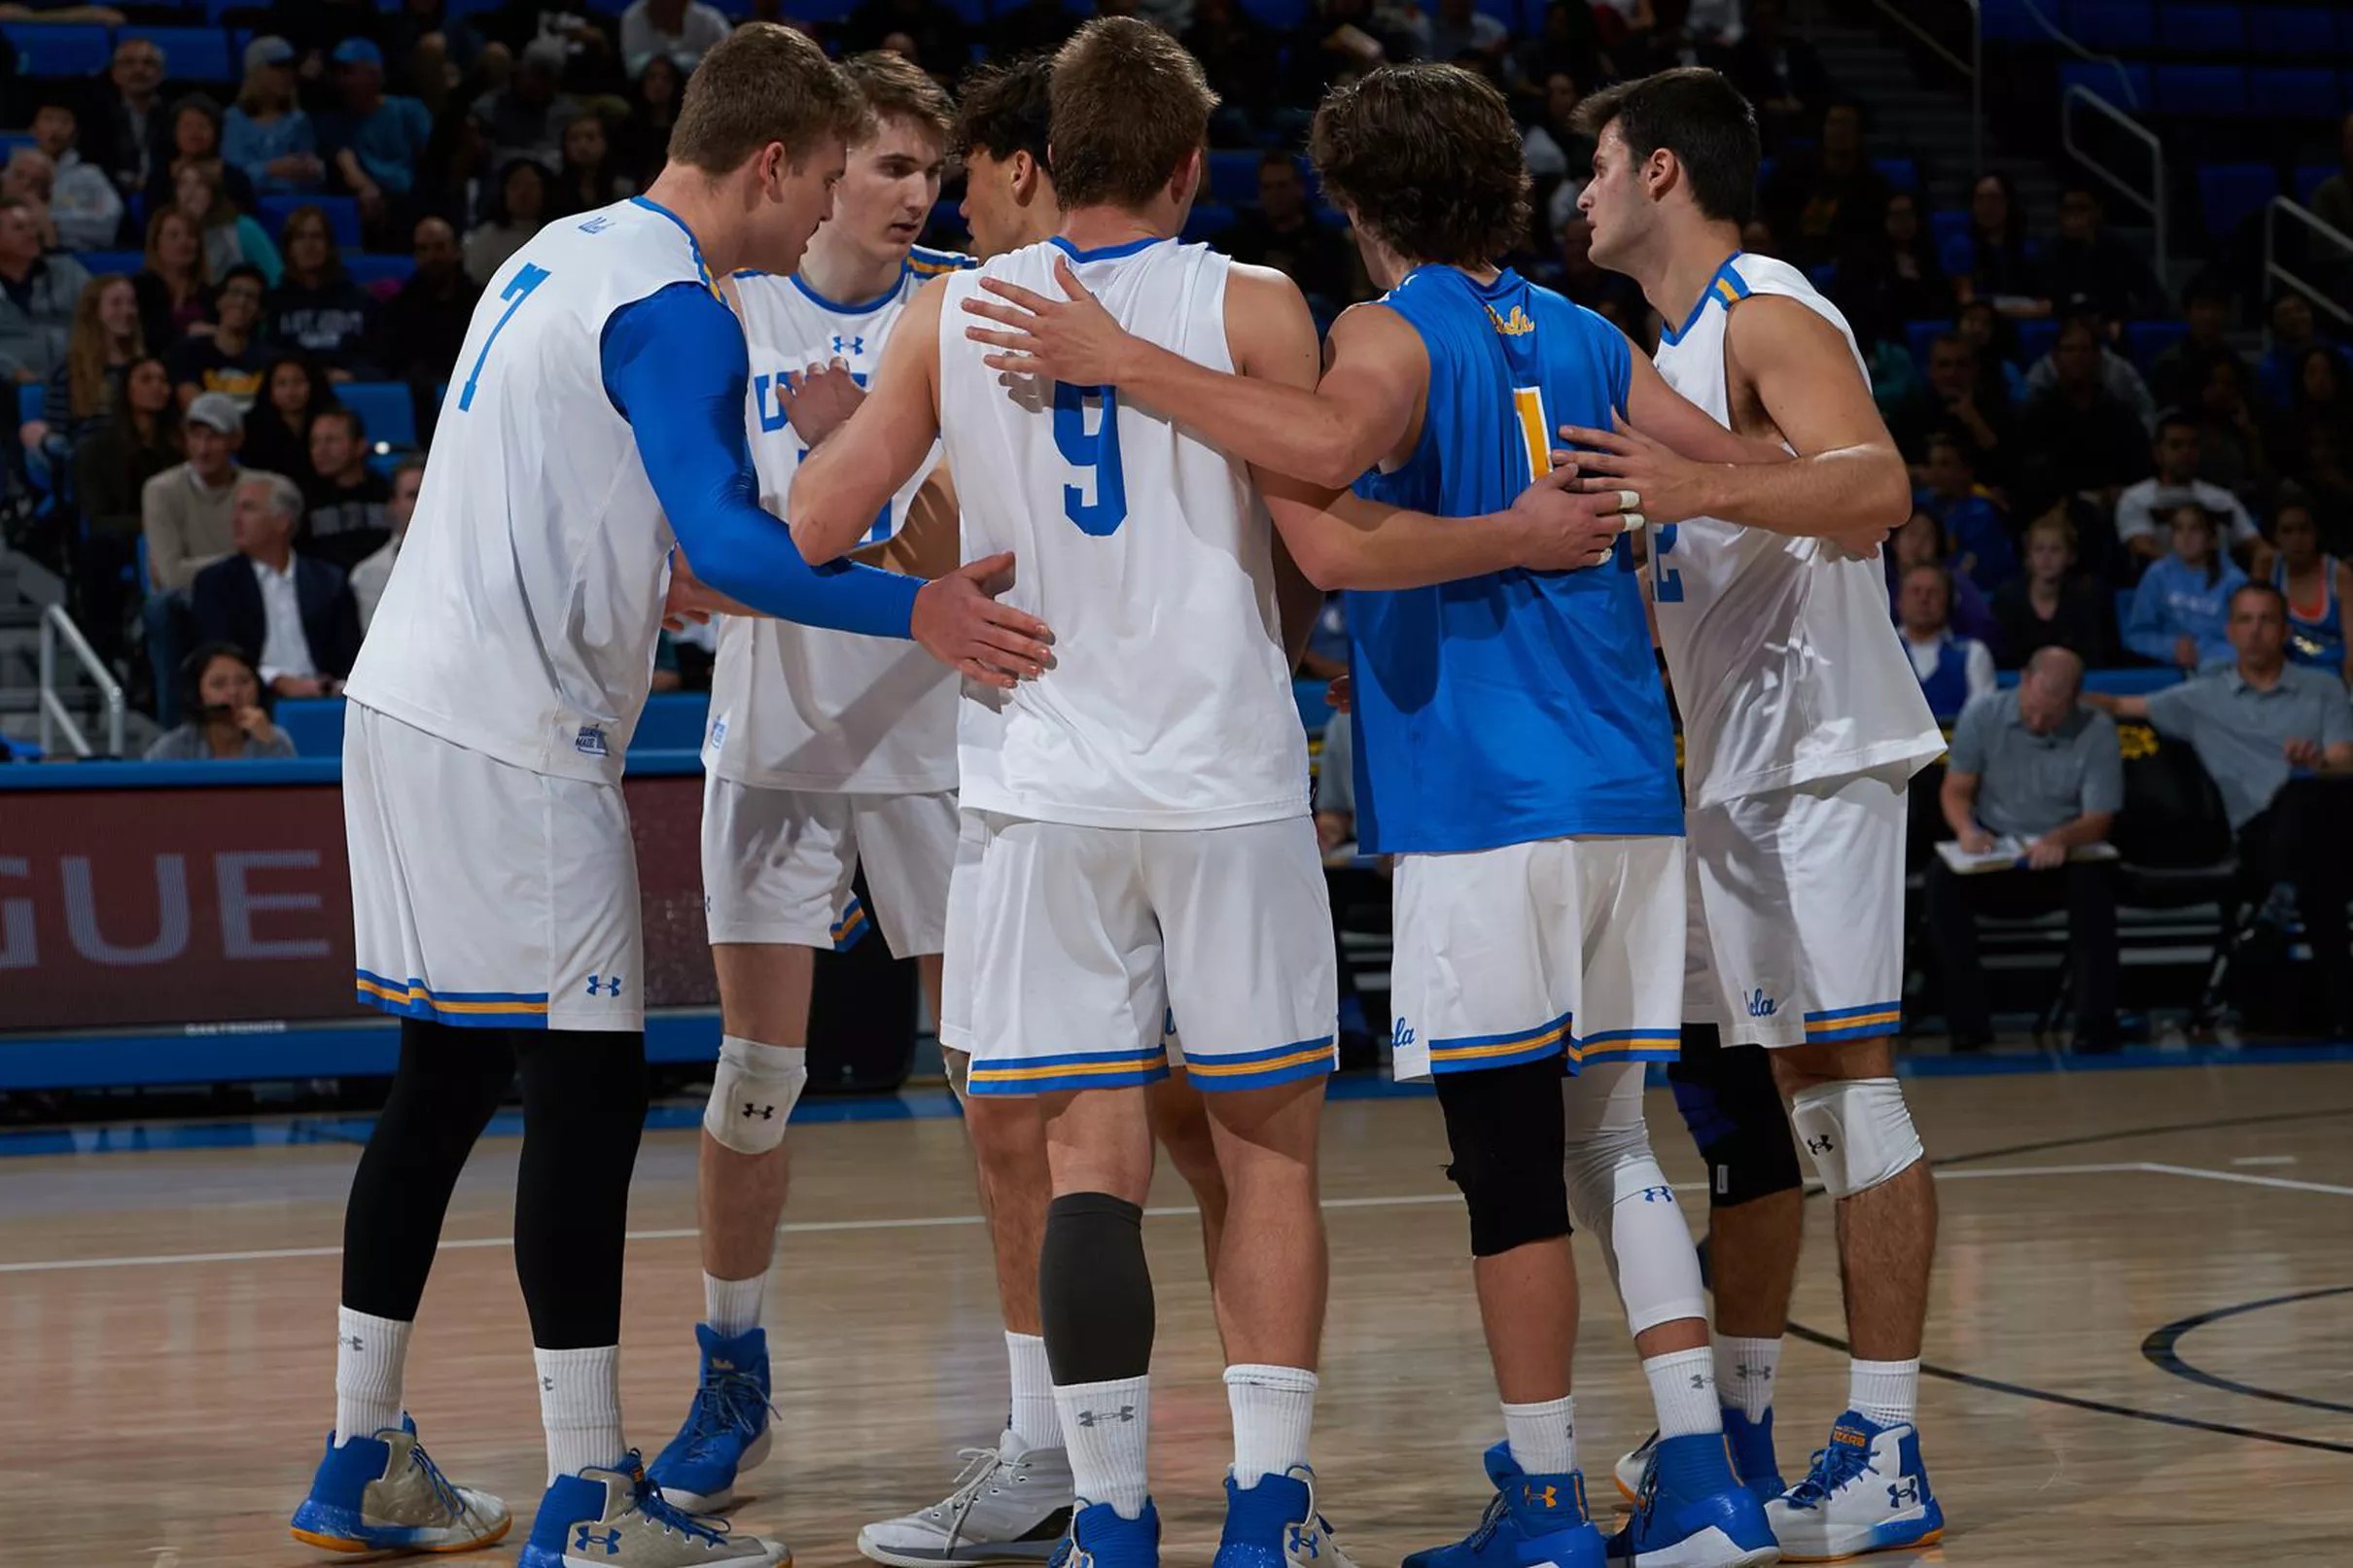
(295, 615)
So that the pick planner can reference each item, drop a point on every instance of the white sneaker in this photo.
(616, 1518)
(1011, 1504)
(1868, 1492)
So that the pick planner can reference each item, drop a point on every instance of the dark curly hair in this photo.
(1426, 159)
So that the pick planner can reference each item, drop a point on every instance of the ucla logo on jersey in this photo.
(1760, 1005)
(1515, 325)
(590, 742)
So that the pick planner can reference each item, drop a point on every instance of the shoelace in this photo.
(726, 1402)
(980, 1468)
(444, 1490)
(1831, 1468)
(708, 1528)
(1488, 1522)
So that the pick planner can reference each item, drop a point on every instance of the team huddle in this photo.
(1015, 557)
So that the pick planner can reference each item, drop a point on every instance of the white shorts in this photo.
(1562, 947)
(778, 864)
(1797, 912)
(1086, 941)
(484, 894)
(955, 948)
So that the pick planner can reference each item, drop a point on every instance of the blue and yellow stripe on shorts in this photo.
(1854, 1023)
(1470, 1053)
(1628, 1045)
(466, 1009)
(853, 925)
(1077, 1070)
(1258, 1069)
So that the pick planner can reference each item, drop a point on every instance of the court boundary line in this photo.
(2161, 1349)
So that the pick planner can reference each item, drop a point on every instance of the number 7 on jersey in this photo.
(518, 289)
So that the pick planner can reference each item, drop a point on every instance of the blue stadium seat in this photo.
(369, 270)
(2307, 179)
(342, 216)
(1209, 219)
(98, 263)
(1954, 251)
(2127, 26)
(2228, 193)
(672, 721)
(2145, 340)
(1900, 172)
(1919, 336)
(2011, 21)
(1506, 12)
(11, 140)
(2035, 340)
(2292, 32)
(1234, 177)
(189, 54)
(383, 406)
(2202, 90)
(1281, 15)
(2128, 86)
(2202, 29)
(315, 724)
(48, 50)
(2300, 92)
(28, 401)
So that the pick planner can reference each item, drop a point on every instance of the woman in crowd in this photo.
(195, 139)
(2052, 606)
(2317, 587)
(174, 287)
(641, 142)
(138, 441)
(2184, 599)
(104, 340)
(231, 238)
(591, 178)
(454, 179)
(277, 425)
(316, 308)
(1993, 337)
(2320, 410)
(225, 719)
(267, 137)
(2002, 268)
(523, 203)
(1901, 263)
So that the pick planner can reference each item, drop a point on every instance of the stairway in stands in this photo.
(26, 591)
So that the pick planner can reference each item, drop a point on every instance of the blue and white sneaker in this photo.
(1868, 1492)
(1531, 1520)
(1752, 1458)
(616, 1518)
(1099, 1538)
(1691, 1512)
(1274, 1524)
(381, 1493)
(727, 1427)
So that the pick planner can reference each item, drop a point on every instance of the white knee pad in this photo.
(1621, 1198)
(754, 1094)
(1857, 1132)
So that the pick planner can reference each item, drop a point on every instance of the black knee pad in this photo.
(1094, 1290)
(1733, 1110)
(1508, 1134)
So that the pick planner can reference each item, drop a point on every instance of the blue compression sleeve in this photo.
(676, 367)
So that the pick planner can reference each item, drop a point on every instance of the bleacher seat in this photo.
(1920, 336)
(1507, 12)
(1208, 220)
(1899, 172)
(1281, 15)
(2010, 22)
(2035, 340)
(11, 140)
(370, 270)
(2307, 179)
(2145, 340)
(315, 724)
(2128, 86)
(342, 216)
(2229, 192)
(384, 408)
(2202, 29)
(98, 263)
(2127, 26)
(28, 401)
(189, 54)
(2295, 92)
(51, 50)
(2292, 32)
(1232, 177)
(1955, 251)
(2200, 90)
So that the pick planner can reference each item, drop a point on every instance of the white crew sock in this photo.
(1887, 1391)
(1683, 1387)
(1103, 1425)
(1274, 1408)
(581, 1408)
(1543, 1437)
(370, 1353)
(732, 1306)
(1744, 1369)
(1033, 1419)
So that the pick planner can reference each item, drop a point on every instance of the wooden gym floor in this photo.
(166, 1334)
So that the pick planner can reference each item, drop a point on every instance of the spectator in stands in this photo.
(591, 178)
(682, 29)
(265, 134)
(2088, 263)
(222, 696)
(2075, 436)
(1952, 669)
(277, 426)
(2115, 372)
(231, 238)
(942, 43)
(27, 178)
(316, 307)
(37, 297)
(139, 441)
(2141, 509)
(293, 614)
(82, 202)
(527, 117)
(101, 345)
(131, 134)
(1993, 337)
(1612, 294)
(1242, 59)
(440, 51)
(2053, 605)
(1922, 541)
(2181, 611)
(1951, 404)
(1334, 40)
(1455, 30)
(228, 360)
(455, 181)
(2003, 268)
(2316, 588)
(316, 26)
(1900, 264)
(344, 520)
(2294, 332)
(1560, 155)
(370, 577)
(1280, 233)
(424, 326)
(2262, 725)
(1568, 43)
(2035, 766)
(1972, 520)
(2178, 373)
(2332, 199)
(2319, 411)
(185, 514)
(2230, 448)
(175, 292)
(196, 142)
(1827, 202)
(376, 142)
(1781, 75)
(526, 196)
(642, 141)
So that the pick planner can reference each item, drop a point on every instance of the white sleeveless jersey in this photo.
(1784, 658)
(522, 620)
(798, 707)
(1144, 549)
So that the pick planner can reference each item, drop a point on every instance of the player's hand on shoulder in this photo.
(820, 399)
(1073, 340)
(1666, 488)
(1563, 527)
(958, 622)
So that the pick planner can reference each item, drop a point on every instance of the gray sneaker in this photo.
(616, 1518)
(1011, 1504)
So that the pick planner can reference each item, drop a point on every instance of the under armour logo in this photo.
(766, 1113)
(1818, 1147)
(1304, 1543)
(546, 1385)
(597, 225)
(604, 984)
(1547, 1496)
(1763, 1375)
(1658, 1194)
(354, 1341)
(1700, 1379)
(1907, 1490)
(857, 345)
(582, 1538)
(1760, 1005)
(1125, 1412)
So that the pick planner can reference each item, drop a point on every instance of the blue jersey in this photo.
(1522, 705)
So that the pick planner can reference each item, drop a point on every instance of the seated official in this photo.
(2032, 765)
(1952, 669)
(2277, 740)
(224, 717)
(295, 616)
